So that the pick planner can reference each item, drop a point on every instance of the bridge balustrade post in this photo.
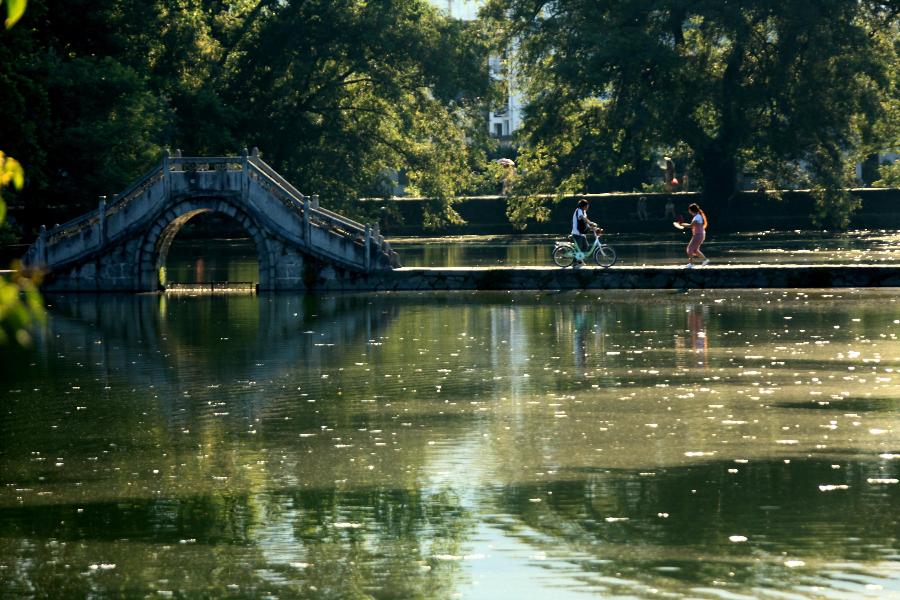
(306, 225)
(315, 201)
(101, 211)
(167, 173)
(42, 246)
(245, 176)
(368, 246)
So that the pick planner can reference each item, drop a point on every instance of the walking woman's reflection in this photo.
(696, 353)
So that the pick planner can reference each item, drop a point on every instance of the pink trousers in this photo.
(694, 245)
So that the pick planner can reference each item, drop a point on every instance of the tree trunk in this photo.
(719, 171)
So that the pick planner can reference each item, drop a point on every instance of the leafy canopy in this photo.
(20, 303)
(337, 94)
(721, 85)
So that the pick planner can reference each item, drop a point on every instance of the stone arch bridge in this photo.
(123, 244)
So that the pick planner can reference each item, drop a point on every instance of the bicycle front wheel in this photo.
(563, 256)
(605, 256)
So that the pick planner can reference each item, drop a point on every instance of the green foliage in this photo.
(537, 164)
(336, 94)
(775, 83)
(889, 175)
(110, 124)
(11, 173)
(20, 302)
(653, 188)
(833, 207)
(20, 306)
(10, 234)
(366, 89)
(14, 11)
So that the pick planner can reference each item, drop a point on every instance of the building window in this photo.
(498, 129)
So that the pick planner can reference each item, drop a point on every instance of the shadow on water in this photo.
(848, 405)
(743, 523)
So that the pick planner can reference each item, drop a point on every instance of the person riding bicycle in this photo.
(574, 252)
(581, 225)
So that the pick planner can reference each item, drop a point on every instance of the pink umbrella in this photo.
(506, 162)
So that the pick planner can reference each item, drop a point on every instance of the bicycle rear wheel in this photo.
(605, 256)
(563, 256)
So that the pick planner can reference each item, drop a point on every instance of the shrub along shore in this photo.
(747, 211)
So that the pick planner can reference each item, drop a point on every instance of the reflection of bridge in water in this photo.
(161, 342)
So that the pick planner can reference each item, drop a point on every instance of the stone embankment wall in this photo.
(748, 211)
(555, 278)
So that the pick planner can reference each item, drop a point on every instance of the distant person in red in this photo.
(698, 226)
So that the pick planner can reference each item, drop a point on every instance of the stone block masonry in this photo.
(123, 244)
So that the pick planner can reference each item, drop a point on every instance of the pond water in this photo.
(474, 445)
(216, 260)
(234, 260)
(794, 247)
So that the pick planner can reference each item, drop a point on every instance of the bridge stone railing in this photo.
(319, 223)
(319, 231)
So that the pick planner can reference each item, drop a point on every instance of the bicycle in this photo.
(566, 253)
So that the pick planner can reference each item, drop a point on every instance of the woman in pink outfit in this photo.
(698, 235)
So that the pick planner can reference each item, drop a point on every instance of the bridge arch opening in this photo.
(205, 243)
(214, 249)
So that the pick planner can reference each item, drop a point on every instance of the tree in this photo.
(20, 303)
(773, 82)
(89, 121)
(342, 93)
(338, 95)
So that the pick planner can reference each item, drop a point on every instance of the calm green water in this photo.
(800, 247)
(217, 260)
(471, 445)
(236, 261)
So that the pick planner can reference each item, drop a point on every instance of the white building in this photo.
(467, 10)
(504, 120)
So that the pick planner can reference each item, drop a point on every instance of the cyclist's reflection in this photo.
(579, 341)
(588, 326)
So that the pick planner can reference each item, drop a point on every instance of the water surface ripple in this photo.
(474, 445)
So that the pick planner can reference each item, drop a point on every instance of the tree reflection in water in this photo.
(676, 523)
(375, 445)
